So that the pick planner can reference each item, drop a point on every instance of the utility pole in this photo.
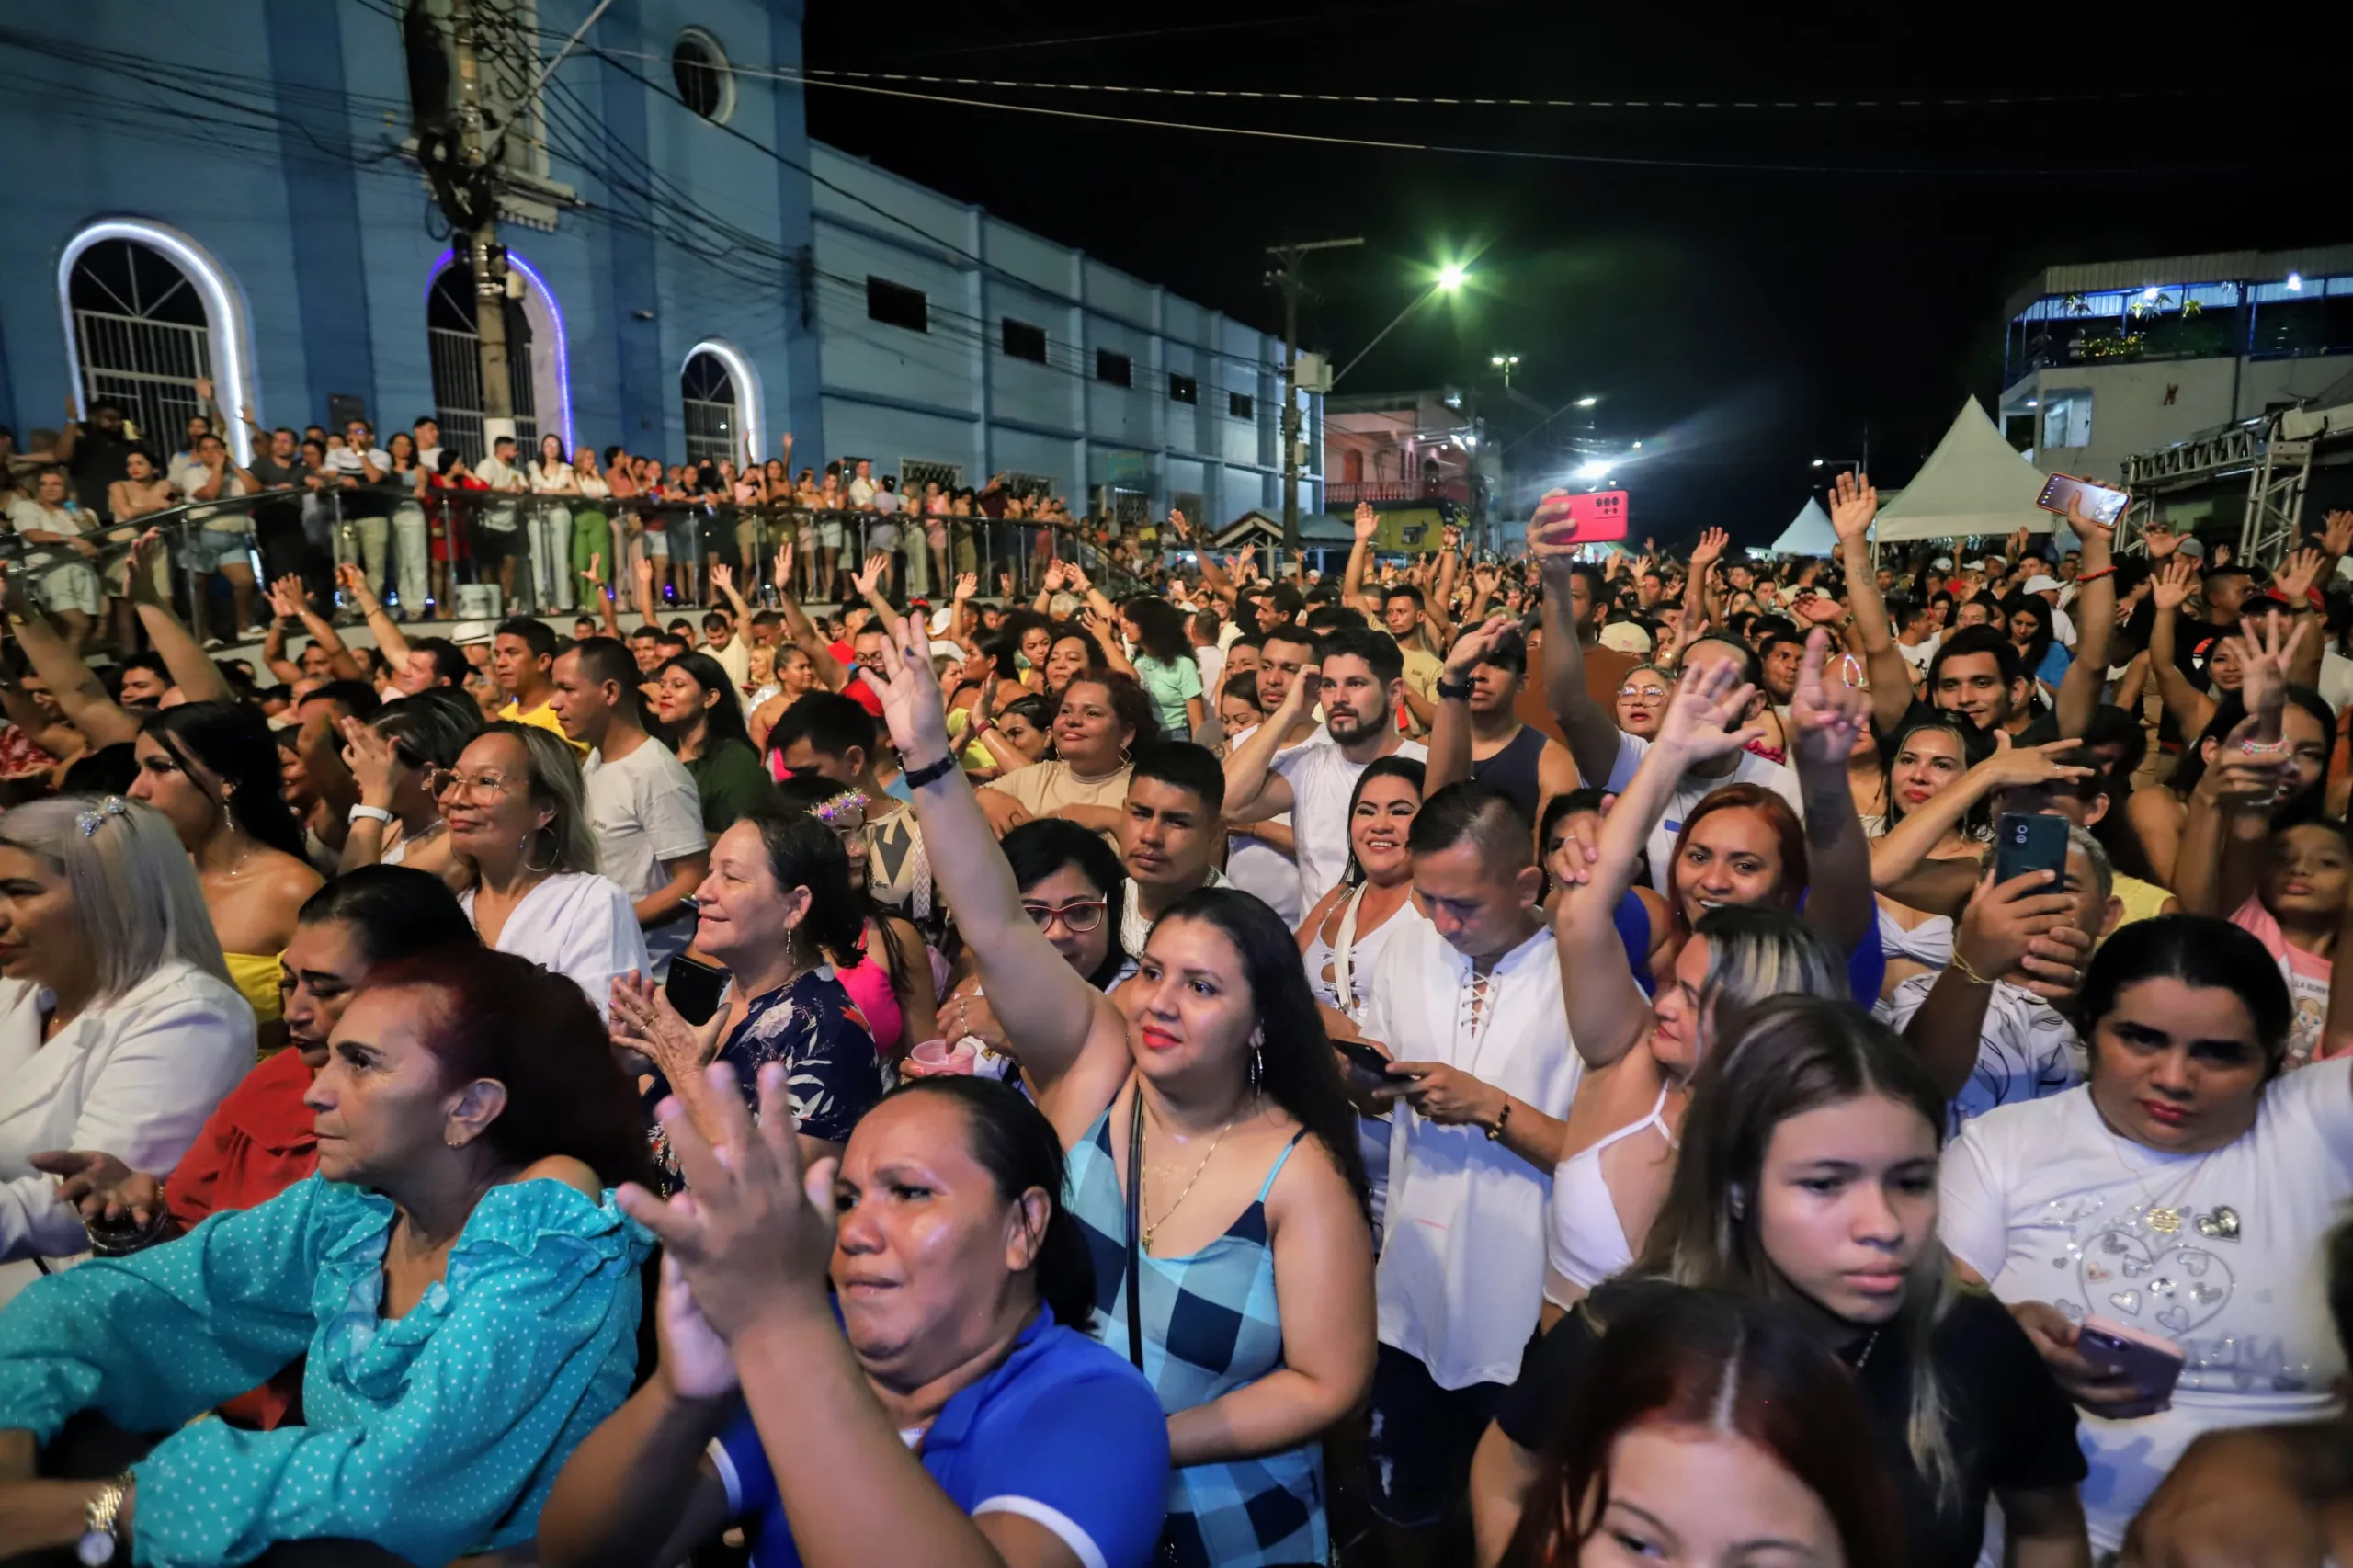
(477, 144)
(1286, 277)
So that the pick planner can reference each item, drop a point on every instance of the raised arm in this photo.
(1854, 503)
(2190, 707)
(1450, 742)
(1609, 1015)
(1900, 864)
(1072, 1043)
(2293, 583)
(1826, 718)
(2080, 687)
(389, 641)
(1253, 792)
(1698, 605)
(79, 695)
(295, 596)
(199, 678)
(1368, 523)
(2227, 828)
(802, 630)
(273, 644)
(1590, 730)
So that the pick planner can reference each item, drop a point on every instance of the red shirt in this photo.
(259, 1142)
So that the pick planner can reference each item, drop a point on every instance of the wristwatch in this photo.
(373, 814)
(101, 1520)
(1453, 691)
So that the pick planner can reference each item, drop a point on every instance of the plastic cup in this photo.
(936, 1057)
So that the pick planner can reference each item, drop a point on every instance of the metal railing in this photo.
(477, 554)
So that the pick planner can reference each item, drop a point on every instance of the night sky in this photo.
(1754, 316)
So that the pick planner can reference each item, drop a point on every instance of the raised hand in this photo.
(375, 766)
(1709, 551)
(2088, 529)
(1179, 526)
(864, 581)
(354, 581)
(1820, 609)
(753, 1233)
(1704, 718)
(2296, 575)
(144, 550)
(1367, 522)
(1825, 716)
(2337, 536)
(779, 574)
(1474, 645)
(290, 598)
(912, 707)
(1854, 503)
(2249, 769)
(2160, 540)
(1055, 573)
(967, 584)
(723, 576)
(1004, 585)
(2171, 588)
(2015, 766)
(2009, 927)
(2265, 653)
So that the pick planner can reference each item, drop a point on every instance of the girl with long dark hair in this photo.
(1213, 1163)
(702, 721)
(212, 768)
(1808, 1176)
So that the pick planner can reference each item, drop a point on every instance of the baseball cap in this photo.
(1625, 637)
(2194, 548)
(472, 631)
(2042, 583)
(1942, 563)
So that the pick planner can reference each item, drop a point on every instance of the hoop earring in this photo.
(536, 870)
(1257, 1059)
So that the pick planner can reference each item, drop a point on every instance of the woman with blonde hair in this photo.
(523, 860)
(119, 1027)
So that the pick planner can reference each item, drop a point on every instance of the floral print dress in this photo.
(810, 1024)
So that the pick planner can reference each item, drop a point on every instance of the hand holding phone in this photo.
(2149, 1363)
(2102, 503)
(2027, 842)
(1562, 518)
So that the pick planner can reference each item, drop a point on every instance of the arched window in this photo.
(148, 314)
(538, 364)
(719, 392)
(450, 320)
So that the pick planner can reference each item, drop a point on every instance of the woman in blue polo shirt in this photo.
(935, 1410)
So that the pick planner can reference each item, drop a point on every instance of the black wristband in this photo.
(1453, 691)
(919, 777)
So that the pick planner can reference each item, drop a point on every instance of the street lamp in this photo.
(1450, 277)
(1587, 402)
(1503, 362)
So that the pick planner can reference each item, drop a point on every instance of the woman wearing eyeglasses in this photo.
(523, 860)
(1070, 883)
(1641, 700)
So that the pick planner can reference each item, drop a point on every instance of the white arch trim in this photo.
(747, 390)
(550, 353)
(235, 387)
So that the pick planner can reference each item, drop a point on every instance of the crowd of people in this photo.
(414, 520)
(1683, 1058)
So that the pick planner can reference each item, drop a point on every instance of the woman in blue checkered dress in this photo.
(1212, 1152)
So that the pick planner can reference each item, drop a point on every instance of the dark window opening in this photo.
(1116, 369)
(1023, 341)
(897, 305)
(1184, 389)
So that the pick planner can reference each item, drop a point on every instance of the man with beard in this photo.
(1358, 674)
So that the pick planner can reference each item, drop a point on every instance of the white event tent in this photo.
(1972, 483)
(1809, 533)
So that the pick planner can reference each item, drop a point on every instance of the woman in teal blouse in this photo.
(465, 1289)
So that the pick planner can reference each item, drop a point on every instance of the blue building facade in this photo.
(223, 190)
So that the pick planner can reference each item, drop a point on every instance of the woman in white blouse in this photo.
(523, 860)
(2184, 1191)
(119, 1028)
(551, 524)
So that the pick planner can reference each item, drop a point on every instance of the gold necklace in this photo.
(1152, 1227)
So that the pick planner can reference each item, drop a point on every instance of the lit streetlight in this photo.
(1587, 402)
(1452, 276)
(1450, 279)
(1503, 362)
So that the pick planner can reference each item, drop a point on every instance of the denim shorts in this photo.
(209, 548)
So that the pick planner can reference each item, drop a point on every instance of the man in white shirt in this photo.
(1468, 1005)
(1358, 675)
(641, 800)
(861, 486)
(1168, 833)
(1259, 855)
(426, 431)
(493, 531)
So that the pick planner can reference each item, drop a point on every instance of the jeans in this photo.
(410, 556)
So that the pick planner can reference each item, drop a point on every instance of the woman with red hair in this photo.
(457, 1273)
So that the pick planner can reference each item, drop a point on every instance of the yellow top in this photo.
(2141, 900)
(544, 718)
(256, 976)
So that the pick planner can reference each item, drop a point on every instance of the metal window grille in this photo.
(916, 472)
(1030, 486)
(141, 330)
(708, 397)
(456, 353)
(1128, 509)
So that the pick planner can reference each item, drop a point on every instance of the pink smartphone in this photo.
(2149, 1362)
(1563, 519)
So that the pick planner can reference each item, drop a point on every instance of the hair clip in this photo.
(846, 802)
(90, 820)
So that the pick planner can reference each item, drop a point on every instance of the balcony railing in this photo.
(1379, 490)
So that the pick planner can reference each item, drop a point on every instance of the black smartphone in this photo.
(1364, 1062)
(2027, 842)
(2149, 1362)
(694, 988)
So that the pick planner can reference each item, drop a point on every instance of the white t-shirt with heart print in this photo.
(2219, 1252)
